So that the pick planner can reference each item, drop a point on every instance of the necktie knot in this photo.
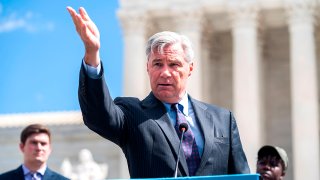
(34, 176)
(180, 118)
(175, 106)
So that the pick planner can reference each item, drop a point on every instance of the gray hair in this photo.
(162, 39)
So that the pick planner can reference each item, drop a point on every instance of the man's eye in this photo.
(34, 142)
(174, 64)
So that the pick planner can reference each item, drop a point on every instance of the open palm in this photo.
(87, 30)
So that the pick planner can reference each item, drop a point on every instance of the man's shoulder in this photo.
(134, 101)
(8, 174)
(12, 174)
(210, 107)
(54, 175)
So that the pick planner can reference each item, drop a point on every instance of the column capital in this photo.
(132, 21)
(244, 14)
(188, 19)
(301, 12)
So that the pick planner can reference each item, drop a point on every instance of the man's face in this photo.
(168, 73)
(36, 149)
(270, 168)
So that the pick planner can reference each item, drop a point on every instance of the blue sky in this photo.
(41, 53)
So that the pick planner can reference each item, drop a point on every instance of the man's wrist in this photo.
(92, 59)
(92, 71)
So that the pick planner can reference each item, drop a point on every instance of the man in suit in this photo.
(145, 130)
(35, 145)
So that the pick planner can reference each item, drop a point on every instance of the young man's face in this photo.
(270, 168)
(36, 149)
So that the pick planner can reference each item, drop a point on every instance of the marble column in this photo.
(209, 52)
(134, 34)
(188, 23)
(247, 96)
(304, 94)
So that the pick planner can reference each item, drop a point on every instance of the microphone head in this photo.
(183, 127)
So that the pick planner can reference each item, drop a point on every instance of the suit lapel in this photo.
(207, 127)
(47, 174)
(155, 107)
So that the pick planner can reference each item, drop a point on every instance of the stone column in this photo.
(304, 95)
(188, 23)
(247, 96)
(134, 35)
(209, 53)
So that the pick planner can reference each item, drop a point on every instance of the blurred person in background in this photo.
(272, 163)
(35, 145)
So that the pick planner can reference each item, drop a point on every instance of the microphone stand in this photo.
(183, 128)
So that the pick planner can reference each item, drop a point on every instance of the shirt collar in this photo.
(184, 105)
(27, 171)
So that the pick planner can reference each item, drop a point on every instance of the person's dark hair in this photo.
(34, 129)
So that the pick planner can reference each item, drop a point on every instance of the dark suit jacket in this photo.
(147, 137)
(17, 174)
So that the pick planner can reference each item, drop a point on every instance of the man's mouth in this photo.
(38, 154)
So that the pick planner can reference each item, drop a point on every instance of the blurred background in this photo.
(258, 58)
(41, 53)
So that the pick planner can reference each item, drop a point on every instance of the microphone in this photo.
(183, 127)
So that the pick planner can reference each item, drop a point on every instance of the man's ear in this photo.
(190, 68)
(21, 146)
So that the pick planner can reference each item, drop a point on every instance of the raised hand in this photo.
(88, 33)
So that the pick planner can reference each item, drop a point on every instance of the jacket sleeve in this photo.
(100, 113)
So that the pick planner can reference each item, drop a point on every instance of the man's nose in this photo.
(38, 146)
(165, 72)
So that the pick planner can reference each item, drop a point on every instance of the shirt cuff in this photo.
(93, 72)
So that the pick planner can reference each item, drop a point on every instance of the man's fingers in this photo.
(74, 16)
(85, 27)
(72, 13)
(84, 14)
(77, 19)
(71, 10)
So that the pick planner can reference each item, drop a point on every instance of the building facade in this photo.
(259, 58)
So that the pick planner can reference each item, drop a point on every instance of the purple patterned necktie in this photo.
(189, 145)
